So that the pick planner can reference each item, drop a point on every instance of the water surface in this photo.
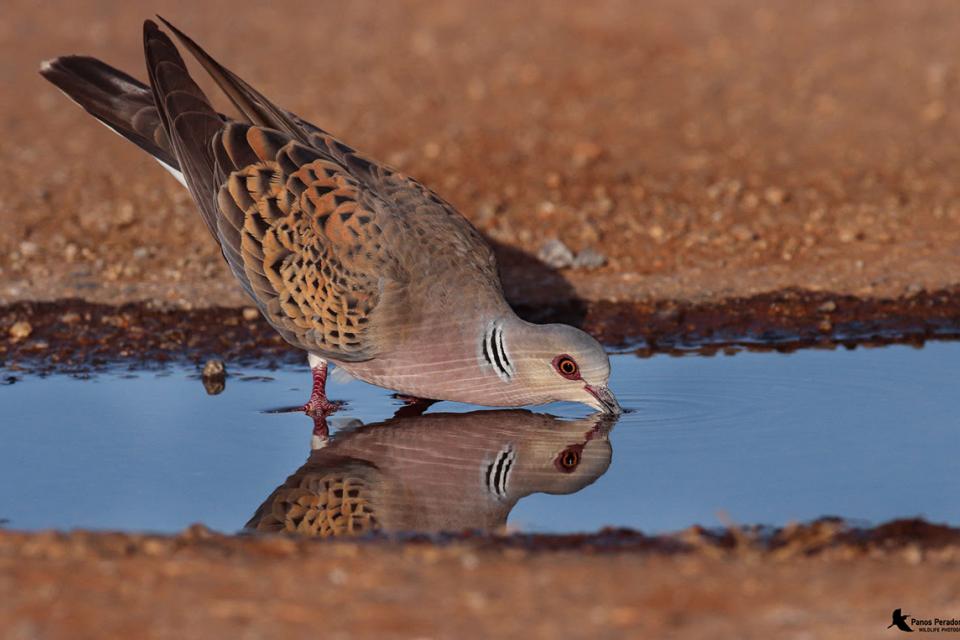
(866, 434)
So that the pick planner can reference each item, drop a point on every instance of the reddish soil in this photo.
(815, 581)
(707, 151)
(781, 173)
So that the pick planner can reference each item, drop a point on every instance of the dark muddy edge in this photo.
(75, 336)
(818, 538)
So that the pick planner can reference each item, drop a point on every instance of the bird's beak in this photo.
(605, 400)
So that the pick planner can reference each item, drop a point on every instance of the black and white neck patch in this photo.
(497, 475)
(495, 353)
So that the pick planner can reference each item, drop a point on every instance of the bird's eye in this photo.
(567, 367)
(569, 459)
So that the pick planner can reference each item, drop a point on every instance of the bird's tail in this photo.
(122, 103)
(190, 121)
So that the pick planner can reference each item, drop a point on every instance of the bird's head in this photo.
(561, 456)
(551, 362)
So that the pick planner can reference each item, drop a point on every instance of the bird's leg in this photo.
(318, 403)
(321, 432)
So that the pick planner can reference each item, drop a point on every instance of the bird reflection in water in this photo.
(435, 472)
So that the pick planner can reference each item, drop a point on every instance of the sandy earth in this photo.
(706, 151)
(205, 585)
(710, 151)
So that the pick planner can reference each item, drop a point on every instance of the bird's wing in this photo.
(323, 239)
(334, 497)
(441, 233)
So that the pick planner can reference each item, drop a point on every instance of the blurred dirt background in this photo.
(707, 151)
(818, 583)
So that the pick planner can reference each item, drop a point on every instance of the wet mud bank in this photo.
(78, 336)
(828, 538)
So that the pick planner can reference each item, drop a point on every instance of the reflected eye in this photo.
(567, 367)
(569, 458)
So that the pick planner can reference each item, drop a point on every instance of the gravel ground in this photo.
(684, 156)
(706, 151)
(816, 584)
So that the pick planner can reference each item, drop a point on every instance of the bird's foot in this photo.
(321, 407)
(314, 408)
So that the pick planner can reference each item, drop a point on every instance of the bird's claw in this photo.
(322, 408)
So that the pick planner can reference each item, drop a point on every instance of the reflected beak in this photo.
(605, 401)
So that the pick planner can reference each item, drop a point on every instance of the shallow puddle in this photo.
(865, 434)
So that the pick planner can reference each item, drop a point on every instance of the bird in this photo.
(440, 472)
(351, 261)
(900, 621)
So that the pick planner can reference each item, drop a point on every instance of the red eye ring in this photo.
(568, 459)
(567, 367)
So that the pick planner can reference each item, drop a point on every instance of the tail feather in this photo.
(189, 119)
(122, 103)
(256, 108)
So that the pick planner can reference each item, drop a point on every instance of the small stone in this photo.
(775, 195)
(589, 259)
(28, 249)
(250, 314)
(741, 232)
(847, 235)
(141, 253)
(656, 232)
(125, 214)
(546, 208)
(196, 531)
(20, 330)
(214, 376)
(585, 153)
(214, 368)
(556, 254)
(827, 307)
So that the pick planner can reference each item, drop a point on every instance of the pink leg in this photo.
(318, 403)
(321, 432)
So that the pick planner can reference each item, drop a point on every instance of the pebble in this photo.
(775, 195)
(742, 233)
(250, 314)
(20, 330)
(556, 254)
(589, 259)
(585, 153)
(28, 249)
(827, 307)
(214, 369)
(214, 376)
(656, 232)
